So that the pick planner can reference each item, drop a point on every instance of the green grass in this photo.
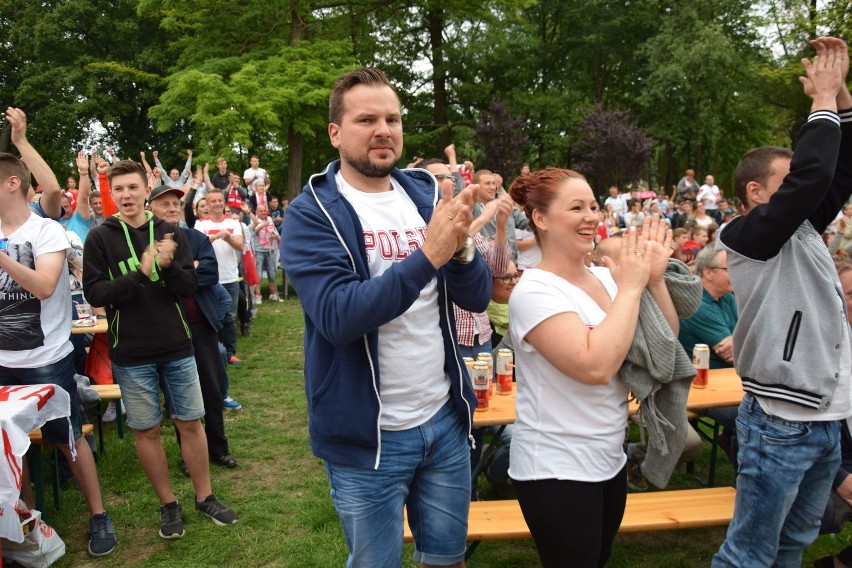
(280, 491)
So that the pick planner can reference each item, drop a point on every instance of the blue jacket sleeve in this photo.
(208, 267)
(342, 304)
(469, 285)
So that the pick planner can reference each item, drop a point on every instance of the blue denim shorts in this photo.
(265, 262)
(140, 392)
(427, 469)
(60, 374)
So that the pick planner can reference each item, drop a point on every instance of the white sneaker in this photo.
(258, 300)
(109, 413)
(274, 298)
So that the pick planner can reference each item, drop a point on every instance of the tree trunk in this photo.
(435, 24)
(295, 150)
(295, 141)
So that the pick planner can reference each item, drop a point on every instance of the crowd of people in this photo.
(180, 253)
(438, 262)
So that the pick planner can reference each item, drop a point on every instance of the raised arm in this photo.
(762, 233)
(187, 168)
(51, 193)
(84, 186)
(841, 183)
(145, 163)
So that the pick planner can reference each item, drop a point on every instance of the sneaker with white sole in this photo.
(275, 298)
(171, 521)
(109, 413)
(219, 513)
(102, 540)
(231, 404)
(258, 300)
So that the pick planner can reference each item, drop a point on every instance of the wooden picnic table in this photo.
(724, 388)
(99, 327)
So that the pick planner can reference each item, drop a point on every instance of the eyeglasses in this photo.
(442, 177)
(508, 278)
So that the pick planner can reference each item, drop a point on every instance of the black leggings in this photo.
(573, 523)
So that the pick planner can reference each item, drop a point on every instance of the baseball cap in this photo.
(161, 189)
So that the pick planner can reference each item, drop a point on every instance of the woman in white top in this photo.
(702, 219)
(572, 327)
(635, 216)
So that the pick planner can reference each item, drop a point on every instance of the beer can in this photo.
(469, 361)
(487, 358)
(479, 378)
(701, 360)
(505, 358)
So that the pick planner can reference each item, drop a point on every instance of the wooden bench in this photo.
(653, 511)
(109, 393)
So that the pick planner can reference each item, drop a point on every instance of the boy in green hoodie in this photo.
(137, 266)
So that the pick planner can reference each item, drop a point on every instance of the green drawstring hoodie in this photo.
(146, 321)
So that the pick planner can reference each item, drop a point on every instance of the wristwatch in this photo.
(465, 255)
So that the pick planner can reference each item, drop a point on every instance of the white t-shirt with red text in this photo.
(414, 385)
(226, 255)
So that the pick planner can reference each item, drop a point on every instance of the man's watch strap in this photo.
(467, 252)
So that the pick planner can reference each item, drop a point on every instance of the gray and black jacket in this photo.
(792, 313)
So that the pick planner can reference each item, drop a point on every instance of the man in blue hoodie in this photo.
(378, 255)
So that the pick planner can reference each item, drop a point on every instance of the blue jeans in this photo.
(60, 374)
(140, 391)
(228, 333)
(783, 480)
(226, 384)
(427, 469)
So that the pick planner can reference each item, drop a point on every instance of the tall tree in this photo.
(72, 64)
(612, 149)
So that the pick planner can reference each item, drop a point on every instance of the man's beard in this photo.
(367, 168)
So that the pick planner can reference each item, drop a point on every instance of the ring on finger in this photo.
(640, 254)
(451, 216)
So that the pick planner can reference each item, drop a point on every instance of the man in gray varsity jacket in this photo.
(791, 345)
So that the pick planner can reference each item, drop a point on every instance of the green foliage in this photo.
(707, 78)
(255, 105)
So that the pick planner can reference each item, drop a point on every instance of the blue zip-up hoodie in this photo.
(324, 255)
(210, 294)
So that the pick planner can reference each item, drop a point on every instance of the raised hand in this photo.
(18, 119)
(633, 267)
(657, 236)
(824, 75)
(504, 210)
(82, 162)
(448, 229)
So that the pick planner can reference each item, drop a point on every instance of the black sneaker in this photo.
(171, 521)
(102, 540)
(220, 514)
